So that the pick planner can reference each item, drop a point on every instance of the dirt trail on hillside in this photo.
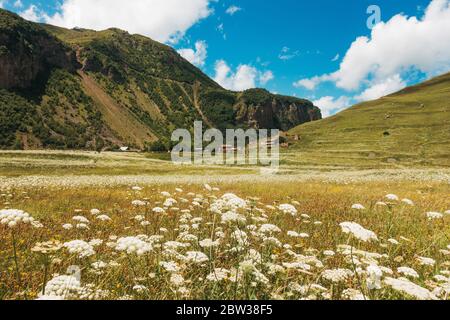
(120, 120)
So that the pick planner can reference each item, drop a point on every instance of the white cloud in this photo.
(162, 20)
(336, 57)
(382, 88)
(312, 83)
(265, 77)
(395, 47)
(287, 54)
(18, 4)
(309, 84)
(197, 56)
(32, 14)
(245, 77)
(329, 105)
(2, 3)
(221, 29)
(233, 9)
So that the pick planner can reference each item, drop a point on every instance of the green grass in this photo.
(411, 127)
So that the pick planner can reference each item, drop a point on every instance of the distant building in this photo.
(228, 148)
(124, 149)
(271, 142)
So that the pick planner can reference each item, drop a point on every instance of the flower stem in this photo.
(19, 280)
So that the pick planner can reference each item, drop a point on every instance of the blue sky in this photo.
(290, 47)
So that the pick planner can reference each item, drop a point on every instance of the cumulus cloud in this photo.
(233, 9)
(330, 105)
(265, 77)
(245, 77)
(309, 83)
(32, 14)
(312, 83)
(382, 88)
(395, 47)
(198, 56)
(162, 20)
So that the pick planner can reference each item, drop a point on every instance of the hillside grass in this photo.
(411, 127)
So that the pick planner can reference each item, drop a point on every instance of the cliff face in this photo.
(26, 51)
(260, 109)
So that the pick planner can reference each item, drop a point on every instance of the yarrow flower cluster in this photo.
(358, 231)
(410, 288)
(337, 275)
(288, 209)
(13, 217)
(228, 202)
(63, 287)
(48, 247)
(133, 245)
(80, 247)
(358, 206)
(196, 257)
(434, 215)
(392, 197)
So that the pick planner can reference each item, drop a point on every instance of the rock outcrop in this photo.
(258, 108)
(27, 51)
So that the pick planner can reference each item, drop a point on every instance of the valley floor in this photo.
(137, 227)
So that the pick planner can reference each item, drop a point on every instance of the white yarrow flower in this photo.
(288, 209)
(358, 231)
(80, 247)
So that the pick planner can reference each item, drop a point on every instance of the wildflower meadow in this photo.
(249, 241)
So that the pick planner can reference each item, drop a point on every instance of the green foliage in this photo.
(3, 50)
(217, 105)
(16, 115)
(158, 146)
(257, 97)
(143, 57)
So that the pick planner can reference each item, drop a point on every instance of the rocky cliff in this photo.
(258, 108)
(27, 52)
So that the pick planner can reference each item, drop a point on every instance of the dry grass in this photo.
(329, 203)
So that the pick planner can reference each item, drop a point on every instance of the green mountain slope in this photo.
(411, 126)
(82, 89)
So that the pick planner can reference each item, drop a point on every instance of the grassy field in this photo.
(146, 229)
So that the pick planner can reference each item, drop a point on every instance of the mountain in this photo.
(82, 89)
(410, 126)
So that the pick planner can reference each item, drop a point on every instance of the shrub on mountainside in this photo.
(158, 146)
(16, 115)
(217, 105)
(256, 97)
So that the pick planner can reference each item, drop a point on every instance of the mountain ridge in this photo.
(105, 89)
